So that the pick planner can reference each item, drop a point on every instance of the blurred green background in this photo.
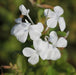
(11, 48)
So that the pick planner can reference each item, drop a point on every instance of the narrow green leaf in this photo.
(61, 33)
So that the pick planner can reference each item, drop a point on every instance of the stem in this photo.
(30, 19)
(41, 5)
(44, 6)
(46, 30)
(6, 67)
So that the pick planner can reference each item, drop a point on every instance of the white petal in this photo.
(41, 47)
(52, 22)
(20, 31)
(34, 34)
(23, 10)
(40, 44)
(62, 24)
(35, 31)
(53, 53)
(36, 43)
(53, 37)
(19, 20)
(62, 42)
(49, 13)
(46, 12)
(34, 59)
(28, 52)
(58, 10)
(39, 27)
(22, 36)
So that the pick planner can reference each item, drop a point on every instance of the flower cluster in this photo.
(47, 49)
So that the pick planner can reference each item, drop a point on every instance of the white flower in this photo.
(42, 49)
(23, 10)
(61, 42)
(54, 16)
(32, 54)
(46, 50)
(21, 31)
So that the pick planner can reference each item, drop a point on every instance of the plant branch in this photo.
(6, 67)
(44, 6)
(41, 5)
(44, 32)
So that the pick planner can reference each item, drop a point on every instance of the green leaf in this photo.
(18, 2)
(52, 71)
(70, 69)
(64, 68)
(74, 73)
(61, 33)
(64, 57)
(44, 63)
(40, 14)
(12, 44)
(42, 70)
(21, 63)
(39, 72)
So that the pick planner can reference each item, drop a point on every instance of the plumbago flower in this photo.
(61, 42)
(42, 49)
(55, 16)
(22, 29)
(34, 54)
(45, 49)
